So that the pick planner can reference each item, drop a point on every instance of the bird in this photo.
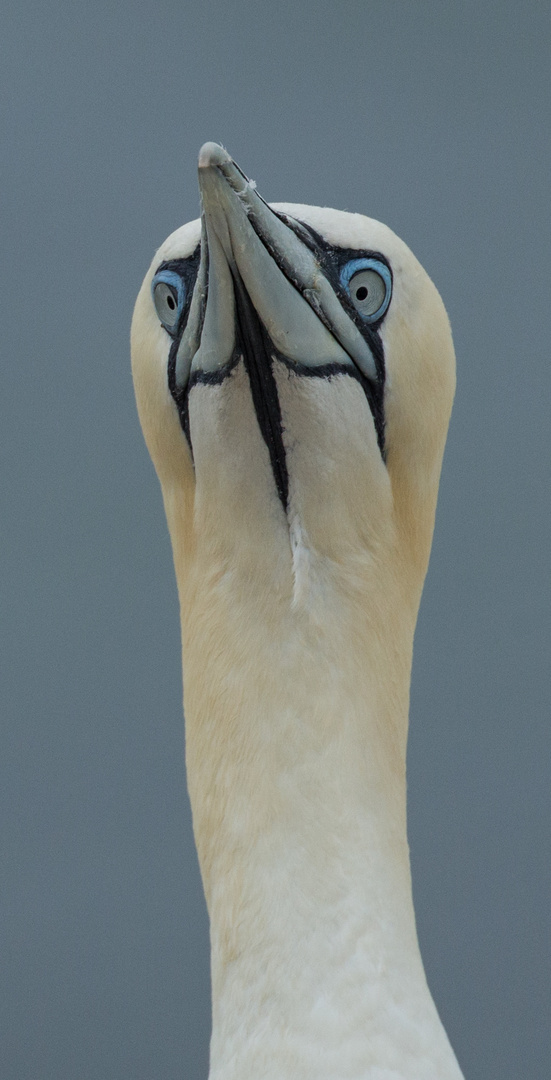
(294, 373)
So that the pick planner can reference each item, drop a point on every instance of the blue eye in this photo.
(368, 283)
(169, 293)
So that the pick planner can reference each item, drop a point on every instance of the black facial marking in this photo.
(257, 352)
(255, 346)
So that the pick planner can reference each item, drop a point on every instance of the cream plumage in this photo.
(297, 429)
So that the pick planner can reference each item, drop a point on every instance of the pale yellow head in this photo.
(294, 372)
(347, 490)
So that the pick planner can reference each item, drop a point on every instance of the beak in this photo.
(251, 259)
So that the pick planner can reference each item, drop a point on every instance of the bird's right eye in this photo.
(168, 296)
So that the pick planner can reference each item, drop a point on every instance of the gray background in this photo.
(435, 118)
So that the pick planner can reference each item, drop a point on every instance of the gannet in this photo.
(294, 373)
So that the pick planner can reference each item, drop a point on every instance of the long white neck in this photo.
(296, 719)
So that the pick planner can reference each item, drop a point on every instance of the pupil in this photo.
(361, 293)
(170, 301)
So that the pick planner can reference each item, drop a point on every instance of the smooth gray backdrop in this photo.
(433, 117)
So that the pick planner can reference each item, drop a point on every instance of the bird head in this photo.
(294, 373)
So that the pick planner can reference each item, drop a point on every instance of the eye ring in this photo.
(379, 275)
(168, 292)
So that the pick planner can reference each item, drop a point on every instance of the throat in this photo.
(298, 795)
(313, 939)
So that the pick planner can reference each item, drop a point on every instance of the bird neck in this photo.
(296, 728)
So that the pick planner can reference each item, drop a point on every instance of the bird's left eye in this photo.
(168, 291)
(368, 283)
